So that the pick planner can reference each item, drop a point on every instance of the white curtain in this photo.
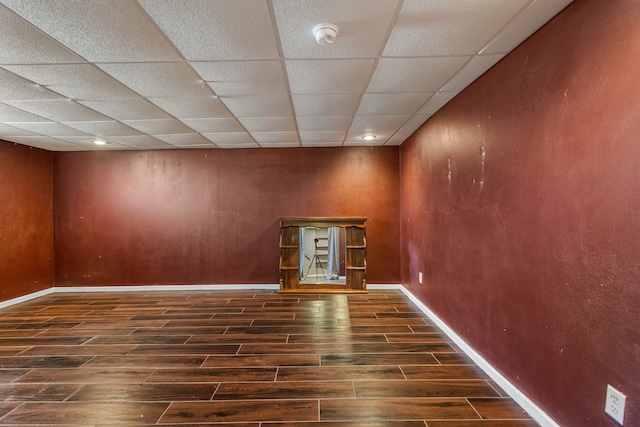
(302, 251)
(333, 257)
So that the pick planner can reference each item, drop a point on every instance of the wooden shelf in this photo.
(355, 263)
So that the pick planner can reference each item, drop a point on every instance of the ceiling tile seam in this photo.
(161, 32)
(187, 62)
(47, 35)
(276, 30)
(75, 100)
(506, 25)
(392, 24)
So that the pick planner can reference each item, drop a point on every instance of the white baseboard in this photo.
(153, 288)
(531, 408)
(25, 298)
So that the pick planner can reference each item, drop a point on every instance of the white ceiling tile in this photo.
(360, 142)
(6, 130)
(268, 124)
(338, 76)
(471, 71)
(14, 87)
(238, 145)
(126, 108)
(77, 81)
(407, 129)
(237, 78)
(275, 137)
(214, 30)
(398, 103)
(524, 24)
(322, 136)
(362, 27)
(259, 106)
(103, 129)
(322, 123)
(89, 142)
(159, 127)
(376, 125)
(103, 31)
(58, 110)
(279, 144)
(142, 142)
(214, 125)
(159, 79)
(50, 129)
(13, 114)
(22, 43)
(394, 141)
(185, 139)
(448, 27)
(410, 75)
(46, 143)
(193, 107)
(321, 144)
(202, 72)
(229, 138)
(438, 101)
(414, 123)
(326, 105)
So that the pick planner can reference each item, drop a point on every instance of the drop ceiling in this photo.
(159, 74)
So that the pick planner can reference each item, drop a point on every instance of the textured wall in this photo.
(521, 206)
(26, 220)
(212, 216)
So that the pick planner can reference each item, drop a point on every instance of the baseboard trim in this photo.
(25, 298)
(531, 408)
(156, 288)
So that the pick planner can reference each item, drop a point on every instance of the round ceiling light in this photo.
(369, 137)
(99, 142)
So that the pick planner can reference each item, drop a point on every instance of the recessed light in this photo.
(369, 137)
(99, 142)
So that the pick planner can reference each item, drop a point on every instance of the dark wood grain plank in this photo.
(420, 388)
(395, 409)
(247, 410)
(285, 390)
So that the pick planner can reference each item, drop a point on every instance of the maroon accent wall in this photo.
(521, 206)
(212, 216)
(26, 220)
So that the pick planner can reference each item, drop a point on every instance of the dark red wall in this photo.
(26, 220)
(521, 206)
(212, 216)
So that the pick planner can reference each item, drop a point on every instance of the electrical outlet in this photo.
(614, 405)
(420, 277)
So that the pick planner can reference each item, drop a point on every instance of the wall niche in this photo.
(349, 255)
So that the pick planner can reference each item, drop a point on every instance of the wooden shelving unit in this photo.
(356, 264)
(289, 257)
(356, 250)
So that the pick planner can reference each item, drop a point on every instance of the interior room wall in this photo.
(26, 220)
(212, 216)
(520, 206)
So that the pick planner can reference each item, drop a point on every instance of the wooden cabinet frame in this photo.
(355, 254)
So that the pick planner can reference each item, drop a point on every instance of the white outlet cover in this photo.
(420, 277)
(614, 404)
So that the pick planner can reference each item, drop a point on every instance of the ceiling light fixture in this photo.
(99, 142)
(369, 137)
(325, 33)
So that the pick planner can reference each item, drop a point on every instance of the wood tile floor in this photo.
(238, 358)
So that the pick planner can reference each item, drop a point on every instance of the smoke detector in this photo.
(325, 33)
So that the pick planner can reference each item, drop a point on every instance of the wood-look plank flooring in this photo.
(238, 358)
